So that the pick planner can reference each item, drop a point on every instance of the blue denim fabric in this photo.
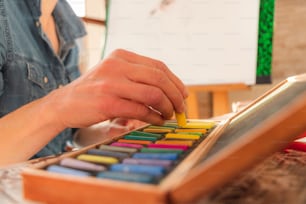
(29, 68)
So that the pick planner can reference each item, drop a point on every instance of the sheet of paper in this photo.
(202, 41)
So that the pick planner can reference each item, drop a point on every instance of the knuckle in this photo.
(160, 77)
(154, 96)
(161, 65)
(118, 52)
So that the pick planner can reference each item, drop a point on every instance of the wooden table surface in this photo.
(280, 178)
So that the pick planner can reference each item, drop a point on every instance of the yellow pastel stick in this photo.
(182, 136)
(175, 142)
(193, 125)
(97, 159)
(181, 119)
(191, 130)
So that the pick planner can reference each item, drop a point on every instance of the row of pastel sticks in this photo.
(143, 156)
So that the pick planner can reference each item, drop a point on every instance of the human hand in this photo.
(124, 85)
(105, 130)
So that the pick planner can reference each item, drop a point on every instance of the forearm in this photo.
(28, 129)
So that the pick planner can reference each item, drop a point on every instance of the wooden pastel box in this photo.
(171, 164)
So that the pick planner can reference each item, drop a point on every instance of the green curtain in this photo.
(265, 40)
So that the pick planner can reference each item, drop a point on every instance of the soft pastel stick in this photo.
(135, 141)
(66, 170)
(181, 119)
(168, 146)
(171, 124)
(161, 127)
(81, 165)
(158, 162)
(130, 177)
(98, 159)
(161, 150)
(141, 133)
(117, 149)
(176, 142)
(182, 136)
(137, 137)
(163, 156)
(119, 144)
(203, 130)
(136, 168)
(119, 155)
(190, 133)
(155, 130)
(193, 125)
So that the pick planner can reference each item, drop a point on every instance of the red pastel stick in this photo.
(296, 145)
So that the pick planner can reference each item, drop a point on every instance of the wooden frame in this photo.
(203, 170)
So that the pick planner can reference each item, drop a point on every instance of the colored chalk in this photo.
(161, 127)
(119, 144)
(66, 170)
(119, 155)
(197, 130)
(168, 146)
(117, 149)
(140, 133)
(137, 137)
(181, 136)
(161, 150)
(81, 165)
(194, 125)
(130, 177)
(181, 119)
(135, 168)
(155, 130)
(134, 141)
(164, 163)
(190, 133)
(171, 124)
(176, 142)
(98, 159)
(166, 156)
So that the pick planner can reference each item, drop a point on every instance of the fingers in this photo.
(142, 93)
(130, 109)
(155, 73)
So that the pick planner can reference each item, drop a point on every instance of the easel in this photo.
(220, 100)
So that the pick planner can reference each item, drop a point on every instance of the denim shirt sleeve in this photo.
(29, 67)
(2, 44)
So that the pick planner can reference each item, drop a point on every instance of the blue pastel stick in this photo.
(135, 168)
(131, 177)
(65, 170)
(155, 162)
(165, 156)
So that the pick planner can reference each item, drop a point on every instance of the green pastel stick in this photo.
(148, 134)
(137, 137)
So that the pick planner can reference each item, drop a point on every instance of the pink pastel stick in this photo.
(121, 144)
(168, 146)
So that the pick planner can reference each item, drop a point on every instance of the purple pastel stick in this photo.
(168, 146)
(81, 165)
